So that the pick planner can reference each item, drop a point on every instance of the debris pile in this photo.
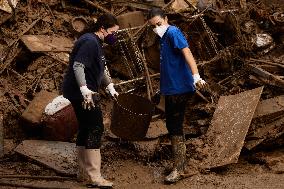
(238, 46)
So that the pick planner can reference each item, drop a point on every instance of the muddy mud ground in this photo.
(128, 173)
(28, 73)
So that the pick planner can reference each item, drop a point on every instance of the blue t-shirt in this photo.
(176, 76)
(88, 51)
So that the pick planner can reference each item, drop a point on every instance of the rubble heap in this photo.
(238, 46)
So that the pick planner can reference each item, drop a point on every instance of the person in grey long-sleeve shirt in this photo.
(87, 72)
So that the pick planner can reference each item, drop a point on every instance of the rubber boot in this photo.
(179, 152)
(93, 169)
(82, 175)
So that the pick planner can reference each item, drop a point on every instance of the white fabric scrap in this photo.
(56, 105)
(263, 40)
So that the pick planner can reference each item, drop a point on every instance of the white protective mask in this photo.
(160, 30)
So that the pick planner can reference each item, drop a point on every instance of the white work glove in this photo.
(198, 82)
(112, 90)
(88, 102)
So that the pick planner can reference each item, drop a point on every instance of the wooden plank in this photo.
(268, 109)
(98, 6)
(60, 156)
(271, 131)
(267, 77)
(225, 137)
(45, 43)
(1, 136)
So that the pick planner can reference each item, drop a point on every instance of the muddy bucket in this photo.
(131, 116)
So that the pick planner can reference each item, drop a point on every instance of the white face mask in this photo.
(160, 30)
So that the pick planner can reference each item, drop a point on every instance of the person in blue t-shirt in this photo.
(85, 75)
(178, 79)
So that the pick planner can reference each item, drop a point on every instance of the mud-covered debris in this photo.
(267, 77)
(225, 137)
(146, 149)
(43, 43)
(60, 156)
(1, 136)
(269, 109)
(8, 5)
(267, 133)
(131, 19)
(79, 24)
(33, 113)
(157, 129)
(274, 160)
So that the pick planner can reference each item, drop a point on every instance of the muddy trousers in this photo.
(91, 125)
(175, 111)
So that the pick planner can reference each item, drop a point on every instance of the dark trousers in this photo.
(91, 126)
(175, 110)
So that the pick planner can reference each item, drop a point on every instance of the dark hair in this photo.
(105, 21)
(156, 12)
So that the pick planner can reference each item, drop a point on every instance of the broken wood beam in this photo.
(266, 77)
(25, 31)
(190, 4)
(201, 95)
(1, 136)
(269, 109)
(146, 23)
(266, 132)
(136, 79)
(9, 60)
(266, 62)
(148, 79)
(168, 4)
(136, 5)
(96, 5)
(46, 43)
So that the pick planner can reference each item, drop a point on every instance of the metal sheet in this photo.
(45, 43)
(60, 156)
(229, 126)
